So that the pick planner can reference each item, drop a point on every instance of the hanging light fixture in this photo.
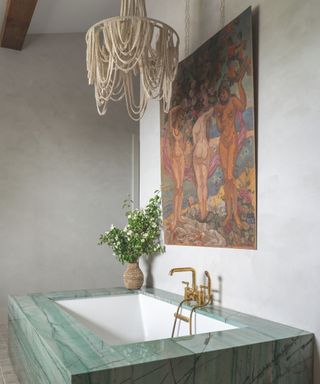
(128, 46)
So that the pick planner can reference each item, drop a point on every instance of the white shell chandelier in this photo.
(128, 46)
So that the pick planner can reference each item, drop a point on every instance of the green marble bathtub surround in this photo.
(49, 346)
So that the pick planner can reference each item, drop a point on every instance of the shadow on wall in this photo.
(149, 262)
(217, 293)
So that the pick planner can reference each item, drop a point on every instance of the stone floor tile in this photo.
(3, 333)
(1, 377)
(11, 378)
(8, 373)
(6, 365)
(3, 355)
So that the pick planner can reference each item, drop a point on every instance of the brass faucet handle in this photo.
(188, 292)
(202, 294)
(206, 296)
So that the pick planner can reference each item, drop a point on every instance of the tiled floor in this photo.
(7, 375)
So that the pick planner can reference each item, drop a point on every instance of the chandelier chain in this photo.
(187, 28)
(222, 13)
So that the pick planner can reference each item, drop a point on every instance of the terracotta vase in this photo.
(133, 276)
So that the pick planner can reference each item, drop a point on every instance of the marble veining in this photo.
(47, 345)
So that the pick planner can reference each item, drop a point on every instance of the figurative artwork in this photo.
(208, 176)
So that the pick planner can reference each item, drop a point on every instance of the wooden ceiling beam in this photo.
(16, 22)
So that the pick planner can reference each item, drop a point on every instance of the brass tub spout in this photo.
(186, 269)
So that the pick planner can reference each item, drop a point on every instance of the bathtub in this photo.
(124, 337)
(127, 319)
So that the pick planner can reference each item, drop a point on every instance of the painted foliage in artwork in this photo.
(208, 145)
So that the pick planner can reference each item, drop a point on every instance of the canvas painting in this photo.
(208, 173)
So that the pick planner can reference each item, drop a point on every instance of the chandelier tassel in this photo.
(122, 48)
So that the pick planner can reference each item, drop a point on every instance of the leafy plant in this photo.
(141, 235)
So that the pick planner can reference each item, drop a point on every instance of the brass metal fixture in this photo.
(186, 269)
(201, 296)
(179, 316)
(209, 295)
(182, 317)
(204, 298)
(189, 293)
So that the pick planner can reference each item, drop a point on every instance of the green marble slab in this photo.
(47, 345)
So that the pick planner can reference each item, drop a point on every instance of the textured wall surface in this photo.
(280, 280)
(64, 171)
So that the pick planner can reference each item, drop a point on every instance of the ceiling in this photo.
(68, 16)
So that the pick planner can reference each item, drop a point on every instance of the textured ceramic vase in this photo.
(133, 276)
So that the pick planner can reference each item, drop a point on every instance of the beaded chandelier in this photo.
(128, 46)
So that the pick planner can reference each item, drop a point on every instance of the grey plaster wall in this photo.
(280, 280)
(64, 171)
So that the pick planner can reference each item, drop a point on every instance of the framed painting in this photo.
(208, 173)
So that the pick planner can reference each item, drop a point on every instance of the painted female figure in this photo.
(176, 123)
(201, 159)
(225, 113)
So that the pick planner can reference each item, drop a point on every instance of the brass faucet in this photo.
(189, 293)
(202, 296)
(193, 293)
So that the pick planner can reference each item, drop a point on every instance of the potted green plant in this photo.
(141, 236)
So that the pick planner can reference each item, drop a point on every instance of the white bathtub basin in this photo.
(134, 318)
